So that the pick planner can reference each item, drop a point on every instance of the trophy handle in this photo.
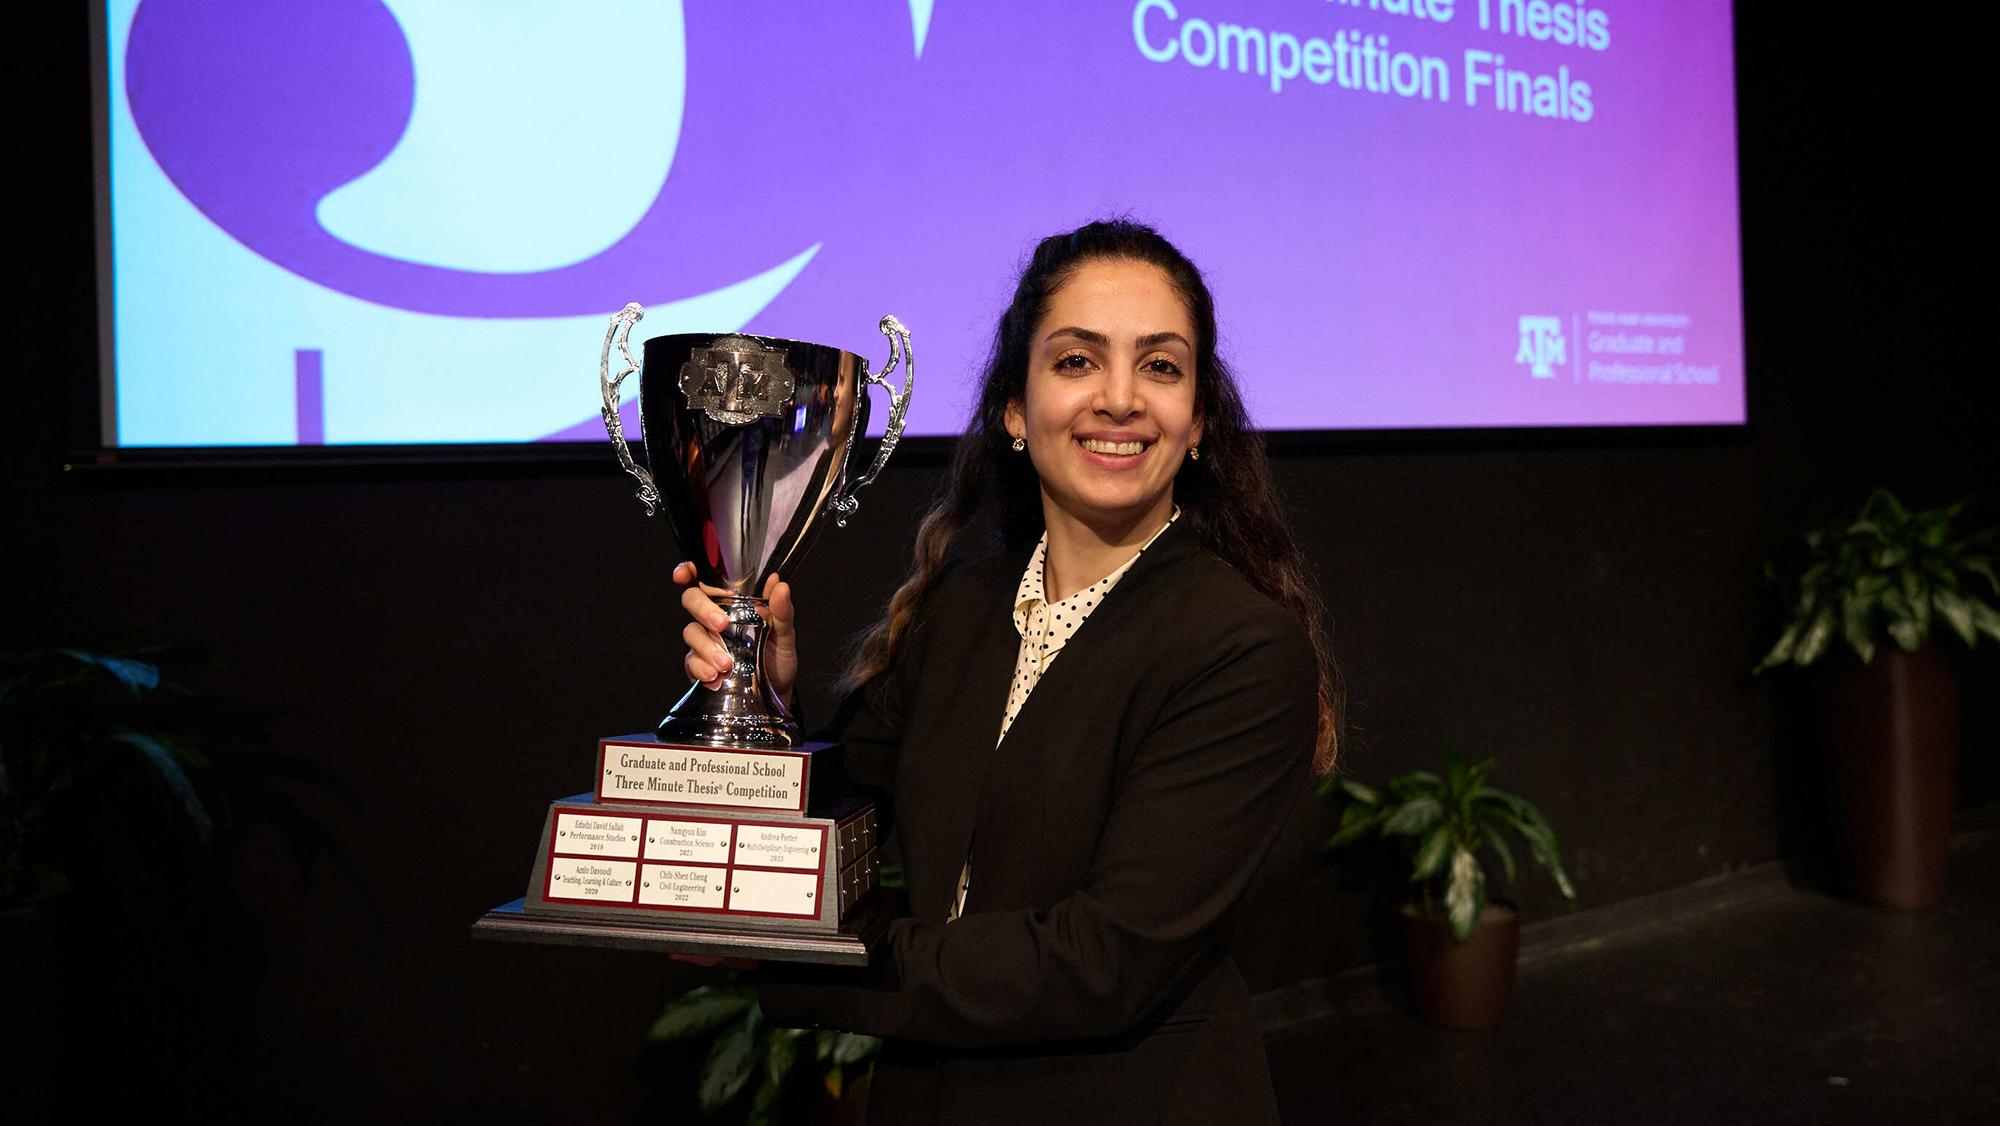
(899, 409)
(621, 328)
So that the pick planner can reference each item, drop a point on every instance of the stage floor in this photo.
(1796, 1007)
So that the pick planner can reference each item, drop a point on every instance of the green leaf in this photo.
(1956, 610)
(1983, 568)
(782, 1052)
(1782, 651)
(168, 765)
(1907, 634)
(1854, 627)
(1432, 853)
(1882, 506)
(1817, 634)
(1364, 794)
(1499, 844)
(1464, 894)
(137, 676)
(764, 1107)
(1413, 817)
(852, 1048)
(1415, 784)
(1934, 527)
(1986, 619)
(1454, 772)
(730, 1063)
(698, 1010)
(1356, 823)
(1534, 830)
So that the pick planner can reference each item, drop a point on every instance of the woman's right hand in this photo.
(708, 661)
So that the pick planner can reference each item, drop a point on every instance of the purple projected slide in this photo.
(364, 221)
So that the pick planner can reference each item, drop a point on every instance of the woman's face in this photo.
(1109, 407)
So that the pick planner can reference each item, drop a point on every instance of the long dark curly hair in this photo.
(1227, 499)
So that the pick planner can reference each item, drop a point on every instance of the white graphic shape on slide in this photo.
(920, 23)
(540, 134)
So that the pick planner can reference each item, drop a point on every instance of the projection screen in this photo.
(406, 221)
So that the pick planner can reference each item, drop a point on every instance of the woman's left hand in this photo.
(706, 659)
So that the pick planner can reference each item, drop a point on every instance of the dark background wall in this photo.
(449, 642)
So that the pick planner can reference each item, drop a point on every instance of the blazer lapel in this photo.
(1090, 653)
(962, 743)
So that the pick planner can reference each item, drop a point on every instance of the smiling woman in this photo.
(1093, 737)
(1108, 415)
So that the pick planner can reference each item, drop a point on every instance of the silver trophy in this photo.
(748, 439)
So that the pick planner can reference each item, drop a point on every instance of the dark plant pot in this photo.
(1891, 739)
(1462, 984)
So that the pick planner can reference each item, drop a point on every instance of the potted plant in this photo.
(1888, 712)
(1459, 945)
(80, 733)
(761, 1075)
(103, 752)
(76, 728)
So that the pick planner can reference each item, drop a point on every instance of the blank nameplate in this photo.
(774, 893)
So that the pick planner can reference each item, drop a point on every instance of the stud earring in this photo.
(1020, 444)
(1194, 453)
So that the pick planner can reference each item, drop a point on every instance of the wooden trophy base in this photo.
(846, 947)
(705, 851)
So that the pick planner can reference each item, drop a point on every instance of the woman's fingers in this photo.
(703, 609)
(779, 595)
(706, 657)
(698, 600)
(781, 642)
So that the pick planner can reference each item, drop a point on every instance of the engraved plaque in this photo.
(780, 846)
(688, 840)
(591, 881)
(587, 835)
(774, 781)
(679, 885)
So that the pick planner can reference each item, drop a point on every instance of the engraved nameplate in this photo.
(780, 846)
(770, 781)
(690, 888)
(706, 841)
(582, 834)
(591, 881)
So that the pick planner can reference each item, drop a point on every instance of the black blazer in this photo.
(1138, 794)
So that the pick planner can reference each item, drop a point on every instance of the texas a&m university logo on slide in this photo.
(1542, 346)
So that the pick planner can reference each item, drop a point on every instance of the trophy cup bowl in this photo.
(747, 443)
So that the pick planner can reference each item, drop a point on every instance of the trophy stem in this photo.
(741, 710)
